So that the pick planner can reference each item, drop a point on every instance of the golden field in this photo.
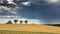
(30, 27)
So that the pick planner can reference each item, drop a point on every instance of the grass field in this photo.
(22, 32)
(28, 29)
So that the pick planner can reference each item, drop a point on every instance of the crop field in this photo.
(28, 29)
(22, 32)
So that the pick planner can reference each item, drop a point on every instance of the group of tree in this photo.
(10, 22)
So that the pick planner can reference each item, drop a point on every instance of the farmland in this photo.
(28, 29)
(22, 32)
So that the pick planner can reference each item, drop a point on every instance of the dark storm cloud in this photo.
(47, 13)
(38, 9)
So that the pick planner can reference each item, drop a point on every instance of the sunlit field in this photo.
(28, 29)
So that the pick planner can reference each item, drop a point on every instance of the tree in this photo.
(9, 22)
(15, 21)
(26, 21)
(21, 21)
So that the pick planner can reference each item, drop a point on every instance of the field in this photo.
(22, 32)
(28, 29)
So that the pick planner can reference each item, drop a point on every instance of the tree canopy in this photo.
(9, 22)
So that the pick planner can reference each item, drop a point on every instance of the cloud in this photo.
(45, 2)
(53, 1)
(9, 17)
(39, 2)
(26, 3)
(9, 7)
(11, 10)
(45, 10)
(10, 1)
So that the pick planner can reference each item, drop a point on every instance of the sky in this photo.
(35, 11)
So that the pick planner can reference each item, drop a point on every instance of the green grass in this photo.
(21, 32)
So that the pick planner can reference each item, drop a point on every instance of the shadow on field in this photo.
(58, 25)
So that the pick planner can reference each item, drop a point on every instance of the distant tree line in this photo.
(10, 22)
